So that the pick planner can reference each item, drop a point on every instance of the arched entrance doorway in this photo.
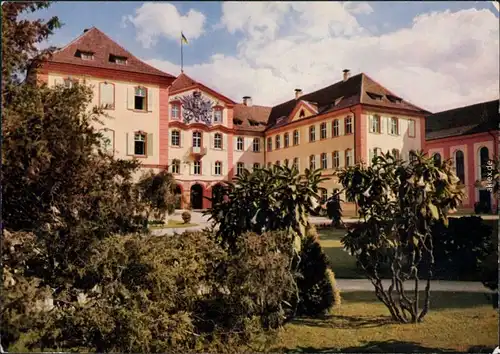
(217, 193)
(178, 197)
(196, 196)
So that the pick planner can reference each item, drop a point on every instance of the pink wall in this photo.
(470, 146)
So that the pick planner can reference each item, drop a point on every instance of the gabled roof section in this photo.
(358, 89)
(103, 48)
(473, 119)
(184, 83)
(310, 107)
(253, 118)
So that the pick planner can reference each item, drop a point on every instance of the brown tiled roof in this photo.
(341, 95)
(476, 118)
(249, 114)
(98, 43)
(184, 82)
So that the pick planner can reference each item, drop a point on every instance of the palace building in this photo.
(204, 137)
(469, 137)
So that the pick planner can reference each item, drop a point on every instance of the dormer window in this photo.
(237, 121)
(374, 96)
(253, 123)
(393, 98)
(337, 101)
(84, 55)
(117, 59)
(280, 120)
(302, 114)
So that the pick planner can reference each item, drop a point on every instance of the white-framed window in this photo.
(196, 139)
(277, 142)
(140, 98)
(218, 168)
(269, 144)
(239, 143)
(217, 141)
(335, 128)
(175, 111)
(348, 125)
(375, 124)
(176, 138)
(197, 168)
(312, 133)
(336, 159)
(176, 166)
(411, 128)
(107, 95)
(324, 161)
(256, 145)
(312, 162)
(322, 131)
(286, 140)
(393, 126)
(349, 160)
(140, 144)
(296, 138)
(218, 115)
(240, 166)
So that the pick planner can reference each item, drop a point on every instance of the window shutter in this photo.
(150, 146)
(341, 158)
(371, 156)
(130, 144)
(151, 99)
(224, 141)
(329, 162)
(169, 137)
(130, 97)
(181, 138)
(382, 123)
(211, 136)
(212, 169)
(388, 125)
(106, 94)
(370, 124)
(341, 126)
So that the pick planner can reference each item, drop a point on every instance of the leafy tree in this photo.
(279, 198)
(399, 202)
(156, 191)
(334, 209)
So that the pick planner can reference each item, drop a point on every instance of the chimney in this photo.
(347, 74)
(85, 30)
(247, 101)
(298, 93)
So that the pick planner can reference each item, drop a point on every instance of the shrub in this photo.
(398, 202)
(316, 282)
(186, 217)
(460, 248)
(156, 191)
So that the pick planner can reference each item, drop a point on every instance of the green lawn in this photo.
(456, 322)
(172, 224)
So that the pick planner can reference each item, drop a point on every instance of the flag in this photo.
(183, 38)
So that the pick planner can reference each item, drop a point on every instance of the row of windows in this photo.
(323, 133)
(459, 162)
(218, 142)
(393, 126)
(175, 167)
(323, 160)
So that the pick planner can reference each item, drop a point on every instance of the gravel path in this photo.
(349, 285)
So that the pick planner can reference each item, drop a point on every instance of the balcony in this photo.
(197, 151)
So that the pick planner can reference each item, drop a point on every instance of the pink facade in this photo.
(470, 147)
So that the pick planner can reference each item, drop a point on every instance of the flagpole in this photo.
(182, 56)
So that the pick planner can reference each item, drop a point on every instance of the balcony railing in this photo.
(198, 151)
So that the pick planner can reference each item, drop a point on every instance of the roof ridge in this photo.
(466, 106)
(76, 39)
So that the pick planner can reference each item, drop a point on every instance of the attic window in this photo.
(302, 114)
(237, 121)
(374, 96)
(394, 99)
(337, 101)
(84, 55)
(117, 59)
(280, 120)
(253, 123)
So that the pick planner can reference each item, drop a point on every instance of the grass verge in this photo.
(172, 224)
(456, 322)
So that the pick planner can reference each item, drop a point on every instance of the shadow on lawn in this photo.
(387, 347)
(439, 299)
(337, 321)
